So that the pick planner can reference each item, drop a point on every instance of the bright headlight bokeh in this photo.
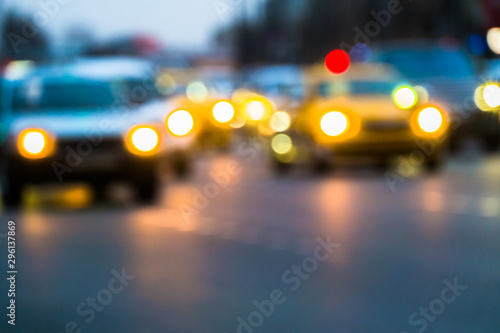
(334, 123)
(491, 95)
(256, 110)
(405, 98)
(430, 120)
(280, 121)
(180, 123)
(493, 39)
(145, 139)
(223, 112)
(281, 144)
(34, 143)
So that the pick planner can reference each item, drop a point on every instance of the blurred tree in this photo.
(77, 39)
(305, 30)
(22, 39)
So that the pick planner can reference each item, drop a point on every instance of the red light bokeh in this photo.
(337, 61)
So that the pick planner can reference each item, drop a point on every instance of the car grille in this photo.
(107, 145)
(377, 126)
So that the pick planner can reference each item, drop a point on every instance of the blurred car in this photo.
(76, 122)
(369, 111)
(449, 77)
(487, 96)
(205, 94)
(274, 93)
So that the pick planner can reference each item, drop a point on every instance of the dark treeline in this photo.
(302, 31)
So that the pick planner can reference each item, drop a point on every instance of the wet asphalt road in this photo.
(198, 264)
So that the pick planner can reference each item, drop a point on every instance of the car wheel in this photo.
(382, 164)
(454, 145)
(99, 189)
(320, 166)
(280, 168)
(434, 165)
(181, 166)
(147, 189)
(492, 143)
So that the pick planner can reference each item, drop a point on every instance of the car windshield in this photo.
(37, 95)
(349, 88)
(425, 64)
(136, 91)
(293, 91)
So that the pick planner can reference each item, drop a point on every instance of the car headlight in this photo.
(180, 123)
(223, 112)
(34, 143)
(405, 98)
(428, 121)
(280, 121)
(487, 97)
(143, 140)
(334, 123)
(255, 110)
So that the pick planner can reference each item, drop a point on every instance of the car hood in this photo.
(70, 124)
(369, 108)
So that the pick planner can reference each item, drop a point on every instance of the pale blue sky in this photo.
(179, 23)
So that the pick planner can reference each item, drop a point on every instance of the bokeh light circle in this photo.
(405, 97)
(430, 120)
(338, 62)
(34, 142)
(280, 121)
(493, 39)
(334, 123)
(180, 122)
(145, 139)
(282, 144)
(223, 112)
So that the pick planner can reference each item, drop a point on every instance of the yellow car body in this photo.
(212, 113)
(358, 114)
(211, 119)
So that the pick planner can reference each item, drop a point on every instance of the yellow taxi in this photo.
(204, 105)
(273, 98)
(368, 111)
